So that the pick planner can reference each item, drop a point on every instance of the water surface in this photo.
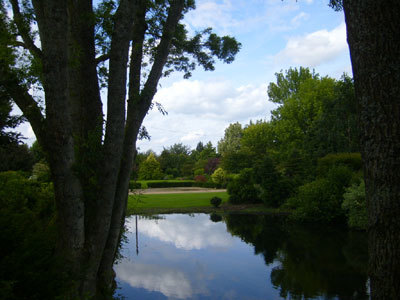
(239, 257)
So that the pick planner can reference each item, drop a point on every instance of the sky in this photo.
(275, 35)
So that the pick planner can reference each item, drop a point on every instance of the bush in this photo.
(133, 185)
(242, 188)
(355, 206)
(321, 200)
(200, 178)
(28, 267)
(351, 160)
(199, 171)
(219, 176)
(41, 172)
(216, 201)
(167, 184)
(207, 184)
(272, 188)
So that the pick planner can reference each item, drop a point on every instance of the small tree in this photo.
(150, 168)
(219, 176)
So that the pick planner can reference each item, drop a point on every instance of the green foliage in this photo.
(242, 188)
(41, 172)
(216, 201)
(321, 200)
(351, 160)
(355, 206)
(219, 176)
(28, 268)
(150, 169)
(234, 162)
(133, 185)
(231, 140)
(167, 184)
(199, 171)
(273, 189)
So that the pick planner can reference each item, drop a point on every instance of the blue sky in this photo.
(275, 35)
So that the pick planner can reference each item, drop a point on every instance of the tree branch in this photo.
(102, 58)
(174, 15)
(24, 31)
(13, 87)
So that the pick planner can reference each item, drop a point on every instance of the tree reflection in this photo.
(311, 262)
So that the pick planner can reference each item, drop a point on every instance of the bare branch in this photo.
(24, 31)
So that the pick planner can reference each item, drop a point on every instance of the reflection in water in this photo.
(168, 281)
(186, 232)
(243, 257)
(312, 262)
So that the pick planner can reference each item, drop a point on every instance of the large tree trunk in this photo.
(373, 33)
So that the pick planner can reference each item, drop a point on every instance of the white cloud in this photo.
(314, 48)
(201, 110)
(185, 232)
(302, 16)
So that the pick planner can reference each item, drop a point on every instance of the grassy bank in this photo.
(189, 203)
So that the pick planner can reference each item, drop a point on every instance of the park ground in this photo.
(188, 200)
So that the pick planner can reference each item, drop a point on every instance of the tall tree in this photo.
(83, 48)
(373, 30)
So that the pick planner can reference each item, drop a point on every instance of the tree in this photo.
(231, 140)
(150, 168)
(373, 28)
(13, 154)
(82, 49)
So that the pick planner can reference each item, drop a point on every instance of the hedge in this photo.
(170, 184)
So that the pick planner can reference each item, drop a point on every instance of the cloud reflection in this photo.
(186, 232)
(155, 278)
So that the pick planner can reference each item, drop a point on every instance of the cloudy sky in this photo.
(275, 35)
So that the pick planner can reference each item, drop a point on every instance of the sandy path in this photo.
(177, 190)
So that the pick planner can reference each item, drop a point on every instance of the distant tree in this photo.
(231, 140)
(150, 169)
(211, 165)
(208, 151)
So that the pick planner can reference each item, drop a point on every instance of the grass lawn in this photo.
(190, 203)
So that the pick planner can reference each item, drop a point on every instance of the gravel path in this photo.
(177, 190)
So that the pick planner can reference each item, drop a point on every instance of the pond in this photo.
(239, 257)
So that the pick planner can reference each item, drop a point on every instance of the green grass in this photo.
(163, 202)
(191, 203)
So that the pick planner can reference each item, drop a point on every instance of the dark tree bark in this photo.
(373, 33)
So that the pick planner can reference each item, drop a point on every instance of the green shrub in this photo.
(219, 176)
(28, 267)
(355, 206)
(351, 160)
(272, 188)
(199, 171)
(207, 184)
(216, 201)
(242, 188)
(321, 200)
(133, 185)
(41, 172)
(168, 184)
